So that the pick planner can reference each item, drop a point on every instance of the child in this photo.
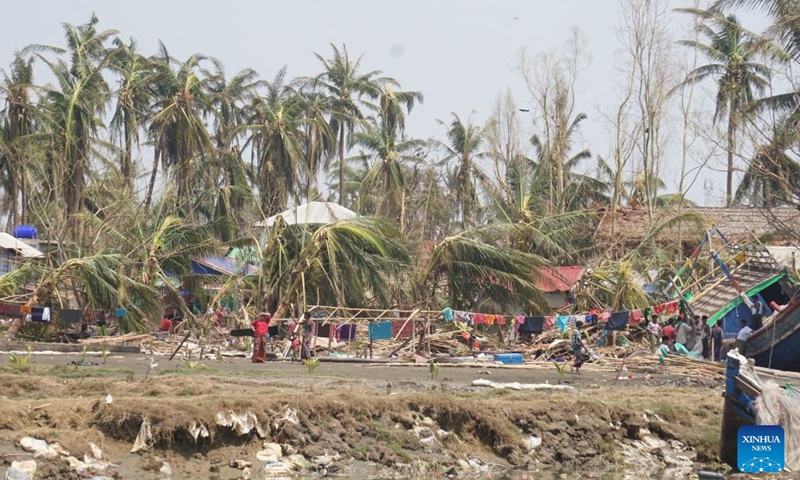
(295, 348)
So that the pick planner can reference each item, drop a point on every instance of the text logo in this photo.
(761, 449)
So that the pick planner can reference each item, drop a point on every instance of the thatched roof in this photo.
(739, 225)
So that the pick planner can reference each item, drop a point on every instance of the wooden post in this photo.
(180, 345)
(369, 334)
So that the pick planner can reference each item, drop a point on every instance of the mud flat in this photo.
(234, 419)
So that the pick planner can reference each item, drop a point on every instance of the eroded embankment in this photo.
(201, 418)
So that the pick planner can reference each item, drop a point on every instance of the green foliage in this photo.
(311, 364)
(433, 369)
(191, 364)
(561, 368)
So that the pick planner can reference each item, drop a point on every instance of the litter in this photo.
(39, 448)
(520, 386)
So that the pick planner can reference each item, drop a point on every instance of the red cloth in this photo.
(672, 308)
(406, 332)
(670, 331)
(659, 309)
(549, 321)
(260, 348)
(165, 325)
(260, 327)
(636, 317)
(478, 318)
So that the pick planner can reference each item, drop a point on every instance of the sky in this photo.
(460, 54)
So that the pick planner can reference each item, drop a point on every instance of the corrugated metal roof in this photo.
(8, 242)
(558, 279)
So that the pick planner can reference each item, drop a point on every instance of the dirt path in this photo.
(363, 420)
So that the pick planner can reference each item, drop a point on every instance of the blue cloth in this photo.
(562, 322)
(447, 313)
(532, 325)
(618, 321)
(380, 331)
(120, 313)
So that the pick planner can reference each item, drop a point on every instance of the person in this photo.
(664, 349)
(682, 333)
(578, 346)
(305, 350)
(260, 328)
(295, 347)
(705, 338)
(742, 336)
(716, 339)
(756, 315)
(696, 336)
(166, 324)
(654, 329)
(669, 330)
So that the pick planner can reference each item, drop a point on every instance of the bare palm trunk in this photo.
(151, 186)
(731, 146)
(341, 165)
(125, 168)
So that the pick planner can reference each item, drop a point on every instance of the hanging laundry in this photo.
(346, 332)
(10, 309)
(672, 308)
(618, 321)
(532, 325)
(636, 317)
(120, 313)
(38, 314)
(273, 331)
(447, 313)
(478, 318)
(518, 320)
(25, 309)
(324, 331)
(550, 322)
(500, 320)
(462, 316)
(562, 322)
(490, 319)
(71, 317)
(380, 331)
(605, 316)
(660, 309)
(402, 329)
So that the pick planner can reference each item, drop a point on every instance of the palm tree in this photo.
(346, 87)
(133, 102)
(177, 126)
(17, 123)
(231, 99)
(554, 163)
(74, 108)
(464, 144)
(386, 174)
(320, 138)
(276, 138)
(390, 105)
(733, 53)
(772, 177)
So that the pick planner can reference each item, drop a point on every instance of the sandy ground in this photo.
(373, 416)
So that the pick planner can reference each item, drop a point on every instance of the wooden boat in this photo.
(777, 344)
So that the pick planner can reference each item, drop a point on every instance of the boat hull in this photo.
(777, 345)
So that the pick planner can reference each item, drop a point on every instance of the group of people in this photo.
(693, 338)
(298, 348)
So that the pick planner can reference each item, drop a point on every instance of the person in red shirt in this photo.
(669, 331)
(166, 324)
(260, 329)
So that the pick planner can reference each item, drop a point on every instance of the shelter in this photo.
(627, 228)
(13, 252)
(556, 282)
(217, 265)
(311, 213)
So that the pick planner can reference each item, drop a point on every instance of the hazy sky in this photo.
(459, 53)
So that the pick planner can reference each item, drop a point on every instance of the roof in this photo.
(313, 212)
(737, 224)
(558, 279)
(720, 295)
(8, 242)
(216, 265)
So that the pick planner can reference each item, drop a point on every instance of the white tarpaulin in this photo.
(23, 249)
(313, 212)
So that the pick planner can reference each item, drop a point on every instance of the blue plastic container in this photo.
(509, 358)
(26, 232)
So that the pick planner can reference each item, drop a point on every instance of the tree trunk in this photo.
(148, 198)
(125, 168)
(731, 146)
(341, 165)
